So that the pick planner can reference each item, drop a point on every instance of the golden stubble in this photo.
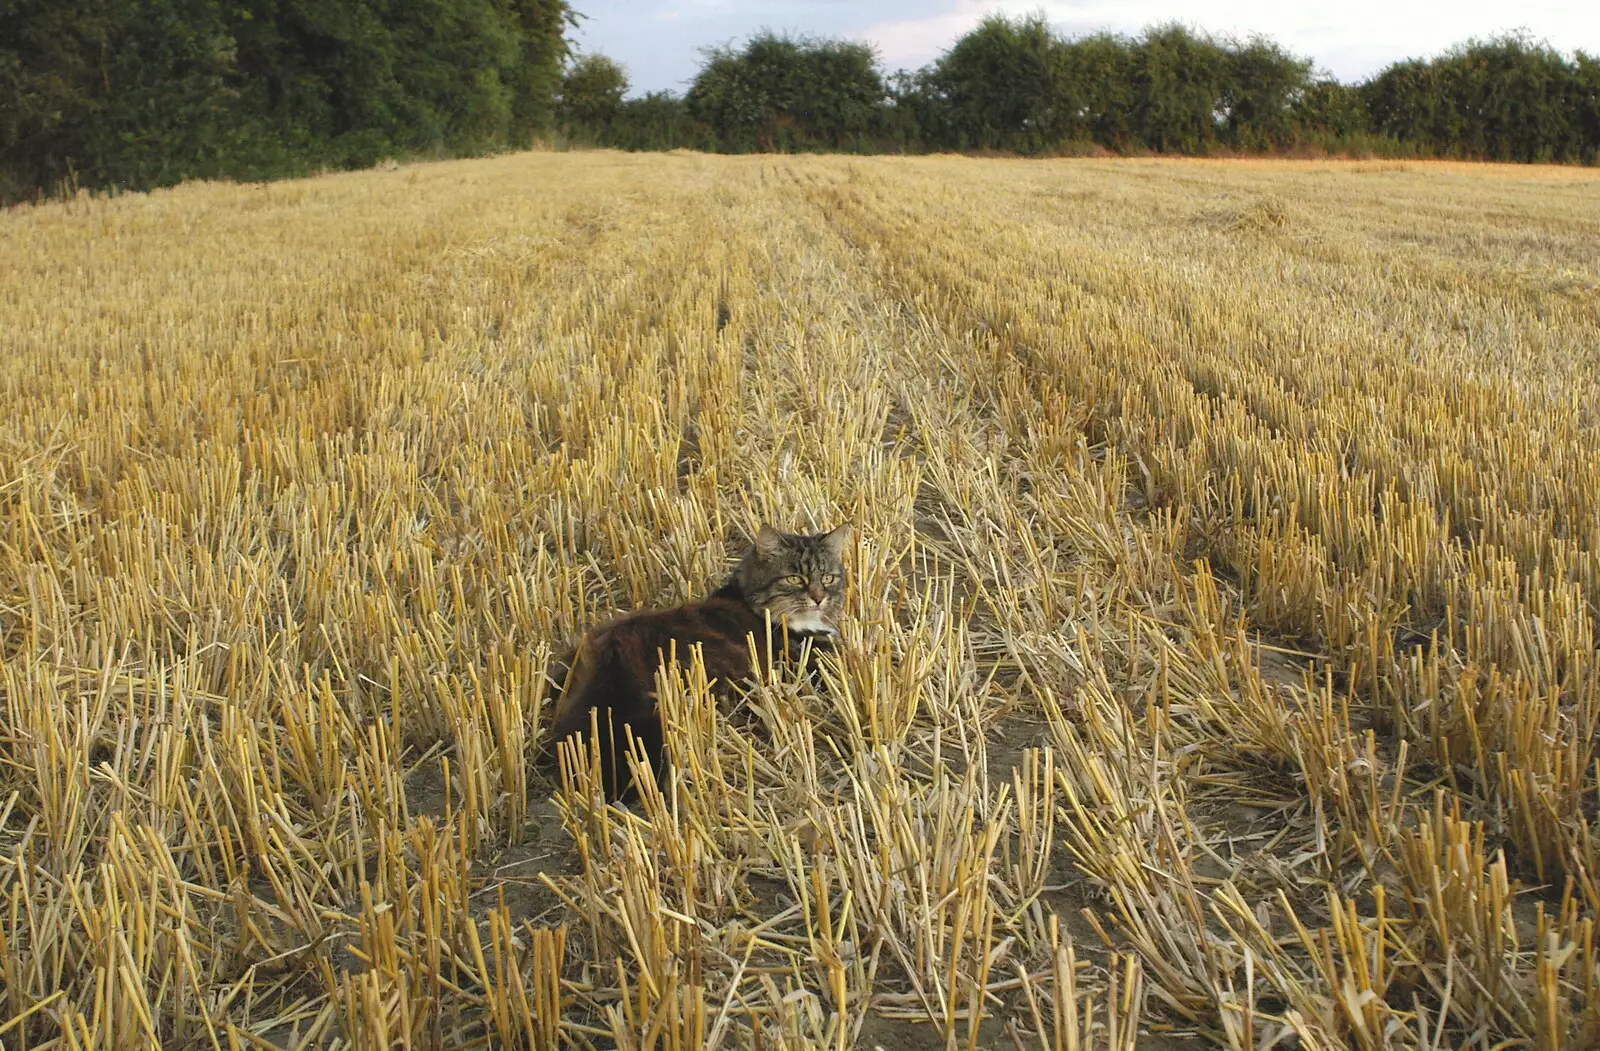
(1220, 655)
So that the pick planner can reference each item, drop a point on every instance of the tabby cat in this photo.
(799, 579)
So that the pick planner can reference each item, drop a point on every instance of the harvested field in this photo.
(1221, 656)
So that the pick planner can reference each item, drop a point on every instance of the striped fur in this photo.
(797, 579)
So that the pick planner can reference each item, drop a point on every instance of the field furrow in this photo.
(1220, 659)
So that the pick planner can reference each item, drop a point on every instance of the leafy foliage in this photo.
(658, 120)
(1508, 99)
(1000, 86)
(141, 93)
(1013, 84)
(783, 93)
(592, 91)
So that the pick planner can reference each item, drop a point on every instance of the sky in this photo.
(659, 40)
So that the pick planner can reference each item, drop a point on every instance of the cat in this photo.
(796, 579)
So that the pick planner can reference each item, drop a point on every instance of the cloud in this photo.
(915, 39)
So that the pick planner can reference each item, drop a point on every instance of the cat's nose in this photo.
(817, 594)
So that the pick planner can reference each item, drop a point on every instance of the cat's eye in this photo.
(793, 582)
(830, 579)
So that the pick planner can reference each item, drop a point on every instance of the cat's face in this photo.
(798, 578)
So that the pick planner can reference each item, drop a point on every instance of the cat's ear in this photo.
(834, 543)
(768, 541)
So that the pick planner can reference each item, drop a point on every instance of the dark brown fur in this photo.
(613, 675)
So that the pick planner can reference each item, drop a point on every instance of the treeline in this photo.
(142, 93)
(1014, 85)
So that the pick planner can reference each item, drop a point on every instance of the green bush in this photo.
(1507, 99)
(142, 93)
(591, 98)
(1012, 84)
(782, 93)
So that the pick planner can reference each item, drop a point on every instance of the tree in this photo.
(591, 95)
(106, 91)
(1407, 101)
(1012, 84)
(658, 120)
(783, 93)
(1508, 99)
(140, 93)
(1263, 84)
(1328, 112)
(998, 87)
(1513, 97)
(1098, 89)
(1180, 92)
(1584, 99)
(534, 79)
